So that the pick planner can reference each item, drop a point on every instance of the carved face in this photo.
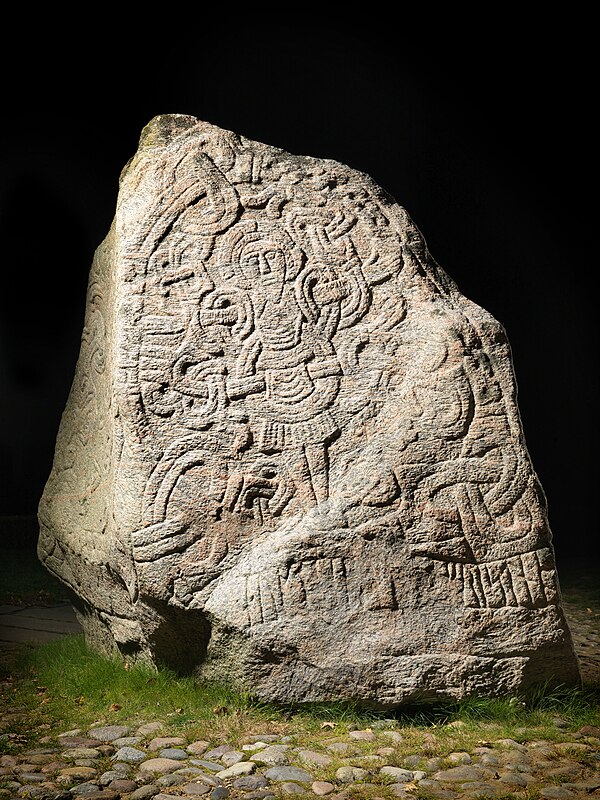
(262, 262)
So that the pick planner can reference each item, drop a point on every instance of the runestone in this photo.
(292, 457)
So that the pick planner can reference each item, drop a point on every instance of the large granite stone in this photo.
(292, 456)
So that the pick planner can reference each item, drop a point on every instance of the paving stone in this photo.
(312, 757)
(489, 760)
(459, 774)
(260, 794)
(196, 788)
(322, 788)
(565, 770)
(481, 789)
(250, 782)
(234, 757)
(274, 755)
(198, 748)
(108, 733)
(518, 767)
(148, 728)
(513, 779)
(161, 742)
(127, 741)
(511, 743)
(410, 760)
(12, 786)
(81, 752)
(514, 757)
(32, 777)
(219, 793)
(77, 741)
(509, 765)
(26, 767)
(110, 775)
(211, 780)
(398, 790)
(42, 756)
(122, 767)
(85, 788)
(191, 772)
(30, 790)
(129, 754)
(170, 779)
(217, 752)
(123, 786)
(400, 775)
(343, 748)
(590, 730)
(213, 766)
(241, 768)
(362, 736)
(286, 773)
(349, 774)
(145, 792)
(556, 793)
(459, 758)
(589, 785)
(174, 753)
(573, 747)
(289, 787)
(158, 765)
(78, 773)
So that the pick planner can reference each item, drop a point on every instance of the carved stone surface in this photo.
(292, 457)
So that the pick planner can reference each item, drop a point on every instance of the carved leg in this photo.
(316, 459)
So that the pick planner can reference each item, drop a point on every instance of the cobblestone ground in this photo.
(139, 762)
(112, 762)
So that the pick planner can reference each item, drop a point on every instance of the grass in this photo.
(66, 684)
(63, 685)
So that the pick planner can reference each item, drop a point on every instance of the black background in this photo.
(484, 135)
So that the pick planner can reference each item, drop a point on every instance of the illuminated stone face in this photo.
(292, 455)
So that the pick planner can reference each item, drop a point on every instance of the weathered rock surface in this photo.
(292, 455)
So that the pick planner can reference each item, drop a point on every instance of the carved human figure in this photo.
(287, 372)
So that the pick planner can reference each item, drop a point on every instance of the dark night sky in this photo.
(486, 141)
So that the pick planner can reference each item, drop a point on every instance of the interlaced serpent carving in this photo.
(278, 308)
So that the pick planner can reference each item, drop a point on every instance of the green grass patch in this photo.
(537, 711)
(62, 685)
(67, 685)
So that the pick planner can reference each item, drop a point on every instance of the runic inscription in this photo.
(293, 432)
